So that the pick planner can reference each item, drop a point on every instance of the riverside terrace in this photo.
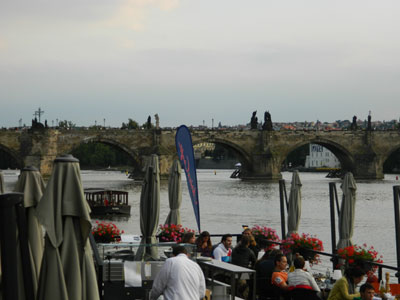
(261, 153)
(110, 268)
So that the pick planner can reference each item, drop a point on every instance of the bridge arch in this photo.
(242, 155)
(132, 153)
(386, 156)
(345, 157)
(18, 160)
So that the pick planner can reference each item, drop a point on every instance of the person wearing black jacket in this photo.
(244, 257)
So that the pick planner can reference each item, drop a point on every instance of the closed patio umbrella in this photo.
(294, 209)
(31, 184)
(1, 183)
(347, 211)
(67, 271)
(149, 210)
(174, 193)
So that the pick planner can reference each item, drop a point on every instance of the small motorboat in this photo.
(103, 202)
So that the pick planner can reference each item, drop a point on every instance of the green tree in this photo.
(132, 124)
(99, 155)
(66, 124)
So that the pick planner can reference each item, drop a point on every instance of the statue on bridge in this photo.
(157, 121)
(254, 121)
(369, 126)
(354, 123)
(267, 122)
(36, 124)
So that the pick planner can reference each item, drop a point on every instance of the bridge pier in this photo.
(264, 167)
(367, 166)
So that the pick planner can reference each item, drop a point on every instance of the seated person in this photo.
(242, 255)
(367, 292)
(189, 239)
(345, 287)
(223, 251)
(264, 268)
(279, 276)
(253, 244)
(300, 278)
(204, 246)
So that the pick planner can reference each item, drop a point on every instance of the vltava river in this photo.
(226, 204)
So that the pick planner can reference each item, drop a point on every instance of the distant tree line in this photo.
(7, 161)
(99, 155)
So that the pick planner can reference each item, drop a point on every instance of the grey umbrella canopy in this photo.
(1, 183)
(149, 210)
(294, 209)
(347, 211)
(67, 271)
(174, 193)
(31, 184)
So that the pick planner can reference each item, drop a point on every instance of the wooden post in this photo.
(332, 194)
(396, 192)
(282, 201)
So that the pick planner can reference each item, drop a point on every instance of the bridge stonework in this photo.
(261, 153)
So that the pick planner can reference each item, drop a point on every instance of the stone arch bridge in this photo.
(260, 152)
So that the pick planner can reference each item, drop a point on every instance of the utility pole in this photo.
(104, 122)
(212, 123)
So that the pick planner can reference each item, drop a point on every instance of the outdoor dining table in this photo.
(213, 267)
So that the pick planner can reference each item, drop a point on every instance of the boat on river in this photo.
(104, 201)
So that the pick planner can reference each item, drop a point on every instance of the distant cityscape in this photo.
(132, 124)
(318, 125)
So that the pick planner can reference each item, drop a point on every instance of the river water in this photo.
(226, 204)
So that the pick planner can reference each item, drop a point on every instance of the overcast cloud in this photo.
(191, 61)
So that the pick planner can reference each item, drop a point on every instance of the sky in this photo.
(106, 61)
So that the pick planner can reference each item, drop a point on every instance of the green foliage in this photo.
(94, 155)
(393, 162)
(7, 160)
(298, 156)
(66, 124)
(132, 124)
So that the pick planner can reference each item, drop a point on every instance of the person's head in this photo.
(299, 262)
(176, 250)
(188, 238)
(355, 274)
(247, 232)
(226, 240)
(367, 291)
(204, 237)
(245, 240)
(280, 262)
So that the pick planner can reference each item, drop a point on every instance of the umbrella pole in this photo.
(282, 201)
(25, 255)
(8, 240)
(396, 192)
(332, 194)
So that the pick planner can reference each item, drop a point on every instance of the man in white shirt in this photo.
(179, 278)
(223, 251)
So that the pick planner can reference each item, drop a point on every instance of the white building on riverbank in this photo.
(321, 157)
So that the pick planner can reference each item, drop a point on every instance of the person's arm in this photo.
(217, 253)
(279, 281)
(313, 283)
(160, 282)
(344, 290)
